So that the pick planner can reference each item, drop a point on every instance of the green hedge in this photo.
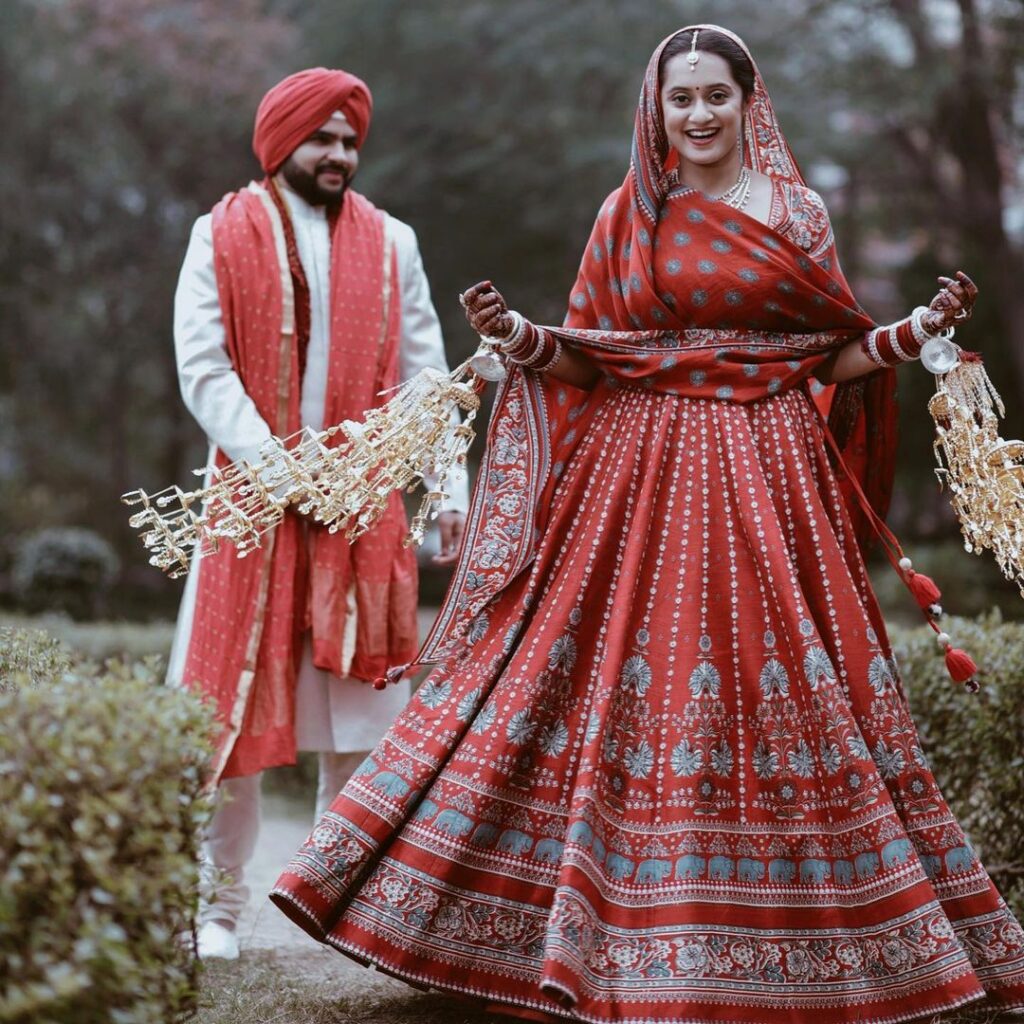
(101, 778)
(975, 742)
(64, 568)
(29, 657)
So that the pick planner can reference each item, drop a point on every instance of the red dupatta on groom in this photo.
(685, 296)
(251, 613)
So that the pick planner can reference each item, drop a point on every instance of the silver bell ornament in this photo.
(487, 364)
(939, 355)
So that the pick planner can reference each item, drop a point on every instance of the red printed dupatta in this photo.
(685, 296)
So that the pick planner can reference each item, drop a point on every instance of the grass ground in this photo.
(272, 988)
(267, 987)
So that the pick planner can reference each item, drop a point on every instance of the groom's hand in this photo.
(451, 525)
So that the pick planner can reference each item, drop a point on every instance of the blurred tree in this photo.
(926, 102)
(123, 121)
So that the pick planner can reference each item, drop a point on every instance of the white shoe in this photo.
(217, 942)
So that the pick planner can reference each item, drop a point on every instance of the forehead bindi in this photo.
(710, 72)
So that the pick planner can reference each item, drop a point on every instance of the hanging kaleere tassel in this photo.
(923, 589)
(960, 665)
(341, 476)
(983, 473)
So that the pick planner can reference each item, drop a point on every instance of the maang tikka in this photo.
(693, 56)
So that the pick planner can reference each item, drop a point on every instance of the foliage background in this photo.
(498, 130)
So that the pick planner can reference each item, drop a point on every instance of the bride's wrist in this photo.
(513, 337)
(531, 346)
(897, 343)
(924, 320)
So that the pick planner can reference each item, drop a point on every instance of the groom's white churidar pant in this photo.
(340, 741)
(234, 831)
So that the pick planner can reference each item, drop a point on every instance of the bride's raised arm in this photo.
(901, 342)
(523, 342)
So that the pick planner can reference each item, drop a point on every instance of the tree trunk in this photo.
(972, 141)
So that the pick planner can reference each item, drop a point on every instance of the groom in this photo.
(298, 303)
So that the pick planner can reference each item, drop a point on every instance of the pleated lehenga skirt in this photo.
(673, 776)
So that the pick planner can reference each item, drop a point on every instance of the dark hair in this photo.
(709, 41)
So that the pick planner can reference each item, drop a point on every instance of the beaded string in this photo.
(959, 664)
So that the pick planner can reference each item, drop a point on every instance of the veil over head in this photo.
(702, 332)
(765, 147)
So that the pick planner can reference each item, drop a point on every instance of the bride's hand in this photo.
(953, 305)
(486, 311)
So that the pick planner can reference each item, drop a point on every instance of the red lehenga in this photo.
(666, 770)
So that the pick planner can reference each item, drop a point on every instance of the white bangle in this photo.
(871, 343)
(518, 330)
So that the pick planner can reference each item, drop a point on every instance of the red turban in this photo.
(296, 107)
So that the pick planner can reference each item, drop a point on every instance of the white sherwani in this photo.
(331, 714)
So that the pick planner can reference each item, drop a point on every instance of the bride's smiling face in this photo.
(703, 109)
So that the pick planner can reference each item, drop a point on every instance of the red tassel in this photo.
(393, 675)
(925, 592)
(960, 666)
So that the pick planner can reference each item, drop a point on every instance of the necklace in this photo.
(736, 196)
(739, 194)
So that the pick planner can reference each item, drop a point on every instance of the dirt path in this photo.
(284, 976)
(266, 936)
(286, 823)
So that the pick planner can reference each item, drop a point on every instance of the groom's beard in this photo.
(307, 184)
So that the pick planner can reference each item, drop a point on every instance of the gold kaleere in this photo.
(342, 476)
(983, 473)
